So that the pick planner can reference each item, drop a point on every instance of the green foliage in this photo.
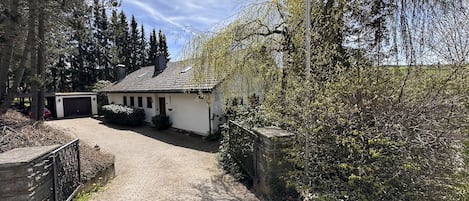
(101, 46)
(235, 142)
(101, 97)
(153, 49)
(134, 42)
(163, 46)
(100, 84)
(161, 122)
(373, 132)
(461, 176)
(121, 40)
(368, 143)
(143, 49)
(124, 115)
(95, 44)
(85, 196)
(226, 159)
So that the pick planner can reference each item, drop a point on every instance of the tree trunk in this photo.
(34, 59)
(41, 57)
(19, 72)
(11, 24)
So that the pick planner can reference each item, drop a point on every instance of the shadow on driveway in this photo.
(221, 187)
(190, 141)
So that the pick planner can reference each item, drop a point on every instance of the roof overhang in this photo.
(162, 91)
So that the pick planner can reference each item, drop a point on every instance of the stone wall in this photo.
(26, 174)
(272, 164)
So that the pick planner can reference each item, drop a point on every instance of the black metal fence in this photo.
(243, 147)
(66, 171)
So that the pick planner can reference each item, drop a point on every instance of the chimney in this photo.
(160, 65)
(120, 72)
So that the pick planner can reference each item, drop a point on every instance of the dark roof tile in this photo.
(172, 79)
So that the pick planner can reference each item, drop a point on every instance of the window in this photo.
(125, 100)
(140, 102)
(132, 101)
(149, 102)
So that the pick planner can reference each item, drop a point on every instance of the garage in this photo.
(76, 104)
(63, 105)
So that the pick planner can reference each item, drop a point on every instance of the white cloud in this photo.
(180, 19)
(157, 15)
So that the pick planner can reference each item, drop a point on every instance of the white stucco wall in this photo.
(186, 111)
(59, 106)
(117, 98)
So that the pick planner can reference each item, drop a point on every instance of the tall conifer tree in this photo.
(163, 46)
(143, 48)
(134, 39)
(123, 40)
(153, 50)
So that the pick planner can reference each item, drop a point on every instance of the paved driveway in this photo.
(156, 165)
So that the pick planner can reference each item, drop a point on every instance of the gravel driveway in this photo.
(157, 165)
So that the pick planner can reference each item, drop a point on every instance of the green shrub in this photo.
(161, 122)
(124, 115)
(227, 160)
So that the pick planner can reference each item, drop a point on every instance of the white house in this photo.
(170, 90)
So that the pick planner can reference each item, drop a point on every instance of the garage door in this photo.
(77, 106)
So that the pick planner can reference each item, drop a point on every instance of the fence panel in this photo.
(243, 147)
(66, 169)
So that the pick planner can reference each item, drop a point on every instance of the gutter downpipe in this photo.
(209, 120)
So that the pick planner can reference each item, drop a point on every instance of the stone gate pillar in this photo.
(272, 164)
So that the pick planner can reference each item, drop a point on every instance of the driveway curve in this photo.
(157, 165)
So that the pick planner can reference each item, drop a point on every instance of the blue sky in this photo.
(179, 19)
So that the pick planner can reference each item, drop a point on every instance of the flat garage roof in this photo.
(48, 95)
(76, 94)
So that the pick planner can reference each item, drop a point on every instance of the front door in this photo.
(162, 102)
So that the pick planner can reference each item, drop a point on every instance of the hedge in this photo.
(123, 115)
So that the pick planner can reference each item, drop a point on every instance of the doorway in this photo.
(162, 103)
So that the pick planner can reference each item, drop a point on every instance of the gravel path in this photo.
(157, 165)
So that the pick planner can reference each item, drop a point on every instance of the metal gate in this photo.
(66, 171)
(243, 148)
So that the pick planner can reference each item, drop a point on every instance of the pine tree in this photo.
(134, 46)
(143, 48)
(59, 81)
(153, 50)
(103, 69)
(82, 59)
(95, 59)
(106, 47)
(115, 50)
(123, 40)
(163, 46)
